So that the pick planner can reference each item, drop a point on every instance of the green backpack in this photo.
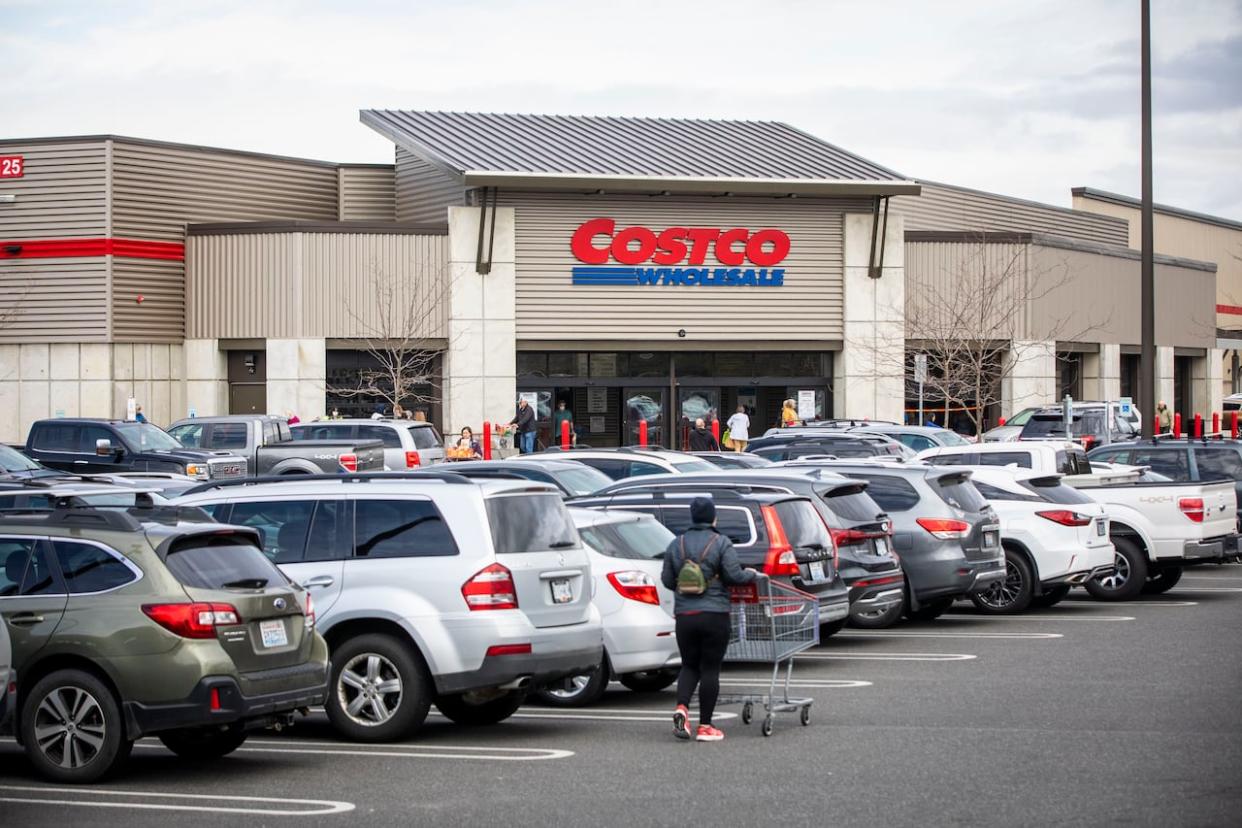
(690, 578)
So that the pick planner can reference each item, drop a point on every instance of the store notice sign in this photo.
(597, 425)
(806, 405)
(12, 166)
(677, 256)
(531, 397)
(597, 400)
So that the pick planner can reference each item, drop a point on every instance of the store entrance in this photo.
(644, 404)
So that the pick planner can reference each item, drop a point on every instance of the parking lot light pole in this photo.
(1147, 370)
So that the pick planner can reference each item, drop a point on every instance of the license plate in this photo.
(989, 539)
(561, 592)
(1100, 528)
(881, 546)
(817, 571)
(273, 633)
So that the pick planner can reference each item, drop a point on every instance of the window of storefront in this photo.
(351, 372)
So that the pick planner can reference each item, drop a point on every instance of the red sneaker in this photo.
(681, 722)
(707, 733)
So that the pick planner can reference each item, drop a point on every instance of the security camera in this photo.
(682, 333)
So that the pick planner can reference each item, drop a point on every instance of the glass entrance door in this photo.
(694, 404)
(644, 404)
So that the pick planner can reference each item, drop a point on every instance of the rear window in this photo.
(323, 432)
(960, 493)
(853, 504)
(1073, 461)
(997, 493)
(530, 523)
(1021, 459)
(802, 524)
(1218, 464)
(1044, 426)
(425, 437)
(1172, 463)
(214, 562)
(731, 521)
(388, 435)
(963, 459)
(633, 540)
(892, 494)
(1054, 491)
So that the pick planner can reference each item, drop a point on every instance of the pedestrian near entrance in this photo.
(789, 414)
(1165, 418)
(525, 422)
(139, 417)
(739, 429)
(467, 443)
(561, 415)
(699, 566)
(701, 439)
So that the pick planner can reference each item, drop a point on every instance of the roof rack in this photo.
(79, 517)
(356, 477)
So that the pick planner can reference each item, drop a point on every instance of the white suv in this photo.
(428, 587)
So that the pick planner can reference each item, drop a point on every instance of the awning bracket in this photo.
(483, 266)
(879, 232)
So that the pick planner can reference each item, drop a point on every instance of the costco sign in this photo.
(677, 255)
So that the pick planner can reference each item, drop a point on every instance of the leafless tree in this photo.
(402, 324)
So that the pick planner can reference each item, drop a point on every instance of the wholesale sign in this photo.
(678, 255)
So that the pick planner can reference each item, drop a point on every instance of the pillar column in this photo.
(206, 379)
(1164, 378)
(1102, 373)
(1206, 388)
(480, 361)
(869, 370)
(296, 377)
(1031, 376)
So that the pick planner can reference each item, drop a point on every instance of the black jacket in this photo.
(525, 419)
(702, 440)
(720, 566)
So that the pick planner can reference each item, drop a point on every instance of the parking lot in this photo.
(1083, 713)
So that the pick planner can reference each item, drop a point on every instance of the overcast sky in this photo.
(1022, 97)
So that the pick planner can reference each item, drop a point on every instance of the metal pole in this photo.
(1147, 371)
(922, 419)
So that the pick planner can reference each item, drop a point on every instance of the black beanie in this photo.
(703, 511)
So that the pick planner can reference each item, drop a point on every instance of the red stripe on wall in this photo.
(1236, 310)
(74, 248)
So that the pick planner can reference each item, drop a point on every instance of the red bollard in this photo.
(487, 440)
(1198, 426)
(1177, 426)
(1000, 422)
(1233, 425)
(565, 434)
(716, 431)
(642, 433)
(1216, 423)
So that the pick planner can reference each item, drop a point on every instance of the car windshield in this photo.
(583, 481)
(687, 466)
(146, 437)
(1049, 426)
(951, 438)
(1021, 418)
(633, 539)
(12, 460)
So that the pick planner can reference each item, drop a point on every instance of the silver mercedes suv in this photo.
(428, 587)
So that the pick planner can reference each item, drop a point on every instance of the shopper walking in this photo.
(789, 414)
(701, 439)
(561, 415)
(525, 422)
(467, 442)
(699, 566)
(739, 429)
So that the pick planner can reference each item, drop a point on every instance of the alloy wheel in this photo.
(1120, 575)
(369, 689)
(69, 727)
(1003, 593)
(577, 686)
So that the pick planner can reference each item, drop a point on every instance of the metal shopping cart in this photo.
(771, 622)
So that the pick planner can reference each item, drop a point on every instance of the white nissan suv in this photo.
(428, 587)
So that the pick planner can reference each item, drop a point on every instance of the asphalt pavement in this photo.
(1084, 713)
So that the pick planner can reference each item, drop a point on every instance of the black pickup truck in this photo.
(90, 446)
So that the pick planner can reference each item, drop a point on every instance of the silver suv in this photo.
(408, 444)
(428, 587)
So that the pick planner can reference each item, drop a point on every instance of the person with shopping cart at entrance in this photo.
(699, 567)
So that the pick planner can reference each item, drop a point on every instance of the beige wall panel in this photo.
(368, 193)
(62, 194)
(160, 317)
(954, 209)
(423, 193)
(808, 307)
(53, 300)
(938, 272)
(242, 286)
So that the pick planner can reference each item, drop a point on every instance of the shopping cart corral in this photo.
(771, 622)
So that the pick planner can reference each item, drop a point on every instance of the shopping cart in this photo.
(771, 622)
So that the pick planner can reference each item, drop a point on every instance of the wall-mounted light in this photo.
(249, 360)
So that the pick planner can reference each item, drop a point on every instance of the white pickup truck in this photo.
(1159, 528)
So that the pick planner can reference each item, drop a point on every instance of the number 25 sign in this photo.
(12, 166)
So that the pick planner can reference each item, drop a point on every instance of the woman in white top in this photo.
(739, 429)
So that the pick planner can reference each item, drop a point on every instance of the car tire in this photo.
(931, 610)
(585, 689)
(385, 714)
(1127, 580)
(203, 743)
(71, 703)
(648, 681)
(479, 709)
(879, 620)
(1162, 580)
(1051, 597)
(1011, 595)
(832, 628)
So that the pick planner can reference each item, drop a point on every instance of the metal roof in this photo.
(487, 149)
(1127, 201)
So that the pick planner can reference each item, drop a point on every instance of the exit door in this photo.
(645, 404)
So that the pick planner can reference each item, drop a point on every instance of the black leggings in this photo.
(702, 639)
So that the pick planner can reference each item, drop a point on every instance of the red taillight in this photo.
(310, 612)
(215, 698)
(192, 620)
(412, 460)
(781, 560)
(1192, 507)
(508, 649)
(945, 528)
(637, 586)
(349, 462)
(1065, 517)
(491, 588)
(1087, 443)
(887, 579)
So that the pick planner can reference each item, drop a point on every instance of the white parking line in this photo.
(1087, 601)
(1038, 617)
(488, 753)
(804, 684)
(886, 634)
(886, 657)
(317, 807)
(598, 714)
(1181, 589)
(1211, 578)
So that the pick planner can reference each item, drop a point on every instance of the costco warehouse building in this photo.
(634, 268)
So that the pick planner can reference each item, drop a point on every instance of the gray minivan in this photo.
(408, 444)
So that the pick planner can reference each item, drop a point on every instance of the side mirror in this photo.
(103, 447)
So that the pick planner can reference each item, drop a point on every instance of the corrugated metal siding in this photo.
(62, 195)
(423, 192)
(808, 306)
(287, 285)
(941, 207)
(367, 193)
(160, 317)
(938, 273)
(53, 300)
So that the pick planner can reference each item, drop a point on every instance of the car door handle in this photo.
(25, 619)
(319, 581)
